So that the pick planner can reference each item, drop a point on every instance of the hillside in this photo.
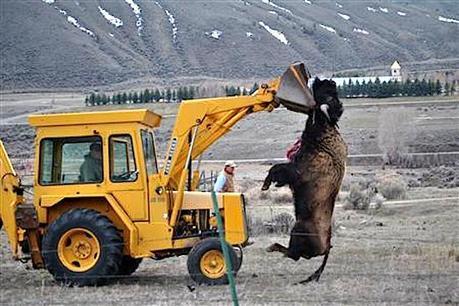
(63, 44)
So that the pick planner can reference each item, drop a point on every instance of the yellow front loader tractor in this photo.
(101, 204)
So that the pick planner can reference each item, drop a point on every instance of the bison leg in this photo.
(267, 182)
(316, 275)
(276, 247)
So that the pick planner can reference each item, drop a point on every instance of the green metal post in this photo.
(229, 266)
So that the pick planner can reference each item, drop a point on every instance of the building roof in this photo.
(143, 116)
(395, 65)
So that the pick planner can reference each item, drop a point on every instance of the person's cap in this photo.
(95, 146)
(230, 163)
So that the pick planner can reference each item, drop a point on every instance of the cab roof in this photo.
(143, 116)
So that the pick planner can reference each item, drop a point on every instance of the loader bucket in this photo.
(293, 91)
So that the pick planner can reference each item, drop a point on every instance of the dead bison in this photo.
(315, 177)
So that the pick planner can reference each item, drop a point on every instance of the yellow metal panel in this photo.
(143, 116)
(234, 219)
(9, 199)
(133, 203)
(200, 200)
(154, 236)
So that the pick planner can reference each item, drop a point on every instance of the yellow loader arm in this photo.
(201, 122)
(10, 198)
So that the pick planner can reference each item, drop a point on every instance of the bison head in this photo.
(326, 97)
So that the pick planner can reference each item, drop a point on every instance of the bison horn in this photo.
(324, 108)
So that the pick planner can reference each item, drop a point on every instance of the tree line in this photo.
(378, 89)
(167, 95)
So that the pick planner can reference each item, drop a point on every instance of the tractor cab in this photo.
(96, 153)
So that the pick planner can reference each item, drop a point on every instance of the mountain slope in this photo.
(52, 44)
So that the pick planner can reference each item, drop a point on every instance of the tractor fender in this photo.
(54, 206)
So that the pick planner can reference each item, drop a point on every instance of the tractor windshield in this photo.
(73, 160)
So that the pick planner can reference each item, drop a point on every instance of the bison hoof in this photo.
(271, 248)
(264, 188)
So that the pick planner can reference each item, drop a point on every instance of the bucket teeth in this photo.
(293, 91)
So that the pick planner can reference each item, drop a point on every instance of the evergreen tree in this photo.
(396, 89)
(377, 87)
(370, 88)
(168, 94)
(92, 99)
(130, 97)
(364, 89)
(254, 88)
(343, 90)
(156, 95)
(118, 98)
(424, 88)
(180, 94)
(147, 96)
(438, 87)
(238, 91)
(452, 89)
(356, 89)
(186, 94)
(447, 88)
(191, 92)
(135, 97)
(124, 98)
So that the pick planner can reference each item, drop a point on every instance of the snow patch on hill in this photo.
(215, 34)
(361, 31)
(249, 35)
(384, 9)
(401, 13)
(308, 2)
(171, 19)
(138, 14)
(339, 5)
(48, 1)
(450, 20)
(345, 17)
(329, 29)
(371, 9)
(277, 6)
(76, 24)
(277, 34)
(110, 18)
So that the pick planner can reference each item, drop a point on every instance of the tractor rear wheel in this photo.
(82, 247)
(129, 265)
(206, 262)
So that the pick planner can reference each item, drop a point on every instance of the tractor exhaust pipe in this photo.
(293, 91)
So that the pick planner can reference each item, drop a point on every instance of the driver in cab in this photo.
(91, 169)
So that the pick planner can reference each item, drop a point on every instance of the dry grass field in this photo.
(400, 254)
(405, 251)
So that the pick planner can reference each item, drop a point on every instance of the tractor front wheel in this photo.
(82, 247)
(206, 262)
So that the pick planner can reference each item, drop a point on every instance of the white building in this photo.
(396, 71)
(395, 75)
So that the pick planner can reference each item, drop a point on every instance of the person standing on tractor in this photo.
(225, 180)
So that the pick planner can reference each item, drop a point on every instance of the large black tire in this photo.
(129, 265)
(239, 256)
(198, 253)
(91, 226)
